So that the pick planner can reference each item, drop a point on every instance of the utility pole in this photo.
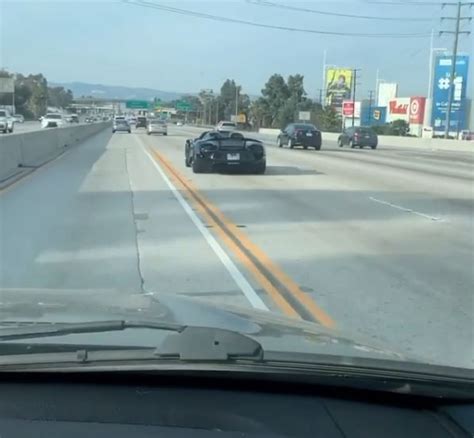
(371, 94)
(321, 96)
(456, 34)
(354, 81)
(236, 101)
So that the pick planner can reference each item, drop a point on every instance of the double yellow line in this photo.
(280, 287)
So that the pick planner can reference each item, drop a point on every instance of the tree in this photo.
(275, 94)
(59, 97)
(399, 127)
(207, 99)
(330, 120)
(296, 88)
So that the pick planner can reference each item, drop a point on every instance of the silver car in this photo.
(121, 125)
(156, 126)
(225, 126)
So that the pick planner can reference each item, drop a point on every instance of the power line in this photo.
(398, 3)
(334, 14)
(152, 5)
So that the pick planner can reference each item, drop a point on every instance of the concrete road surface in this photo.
(374, 243)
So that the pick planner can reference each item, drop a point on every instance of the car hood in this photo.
(273, 331)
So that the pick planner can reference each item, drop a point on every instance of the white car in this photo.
(225, 126)
(52, 120)
(156, 126)
(6, 121)
(18, 118)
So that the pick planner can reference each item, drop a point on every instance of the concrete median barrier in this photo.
(35, 148)
(38, 147)
(9, 156)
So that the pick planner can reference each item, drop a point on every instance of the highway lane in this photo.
(379, 242)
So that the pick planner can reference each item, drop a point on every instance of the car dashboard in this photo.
(121, 405)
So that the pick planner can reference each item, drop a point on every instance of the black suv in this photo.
(141, 122)
(358, 136)
(300, 134)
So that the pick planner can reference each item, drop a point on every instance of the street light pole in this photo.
(236, 101)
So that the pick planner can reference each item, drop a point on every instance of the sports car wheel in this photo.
(199, 165)
(260, 168)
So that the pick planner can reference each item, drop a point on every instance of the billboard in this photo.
(417, 110)
(338, 85)
(373, 115)
(441, 88)
(387, 91)
(348, 108)
(7, 85)
(398, 109)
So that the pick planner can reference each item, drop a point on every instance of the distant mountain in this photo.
(80, 89)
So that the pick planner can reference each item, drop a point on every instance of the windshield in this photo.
(328, 209)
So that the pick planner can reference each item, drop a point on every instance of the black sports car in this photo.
(214, 150)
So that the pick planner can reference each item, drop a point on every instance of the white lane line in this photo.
(234, 272)
(408, 210)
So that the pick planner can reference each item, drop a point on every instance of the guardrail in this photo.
(394, 141)
(30, 150)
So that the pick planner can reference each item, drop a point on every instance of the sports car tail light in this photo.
(257, 149)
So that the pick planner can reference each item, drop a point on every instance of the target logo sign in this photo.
(417, 110)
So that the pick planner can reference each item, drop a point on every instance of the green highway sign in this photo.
(183, 106)
(137, 104)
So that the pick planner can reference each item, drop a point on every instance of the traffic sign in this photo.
(183, 105)
(137, 104)
(304, 115)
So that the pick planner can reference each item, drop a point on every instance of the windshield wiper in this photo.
(12, 330)
(187, 343)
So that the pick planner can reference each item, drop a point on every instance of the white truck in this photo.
(7, 123)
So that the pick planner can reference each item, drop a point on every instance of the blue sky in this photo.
(114, 43)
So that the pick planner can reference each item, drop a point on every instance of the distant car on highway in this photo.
(72, 118)
(224, 126)
(300, 134)
(18, 118)
(156, 126)
(52, 120)
(121, 125)
(141, 122)
(179, 123)
(7, 122)
(359, 136)
(214, 150)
